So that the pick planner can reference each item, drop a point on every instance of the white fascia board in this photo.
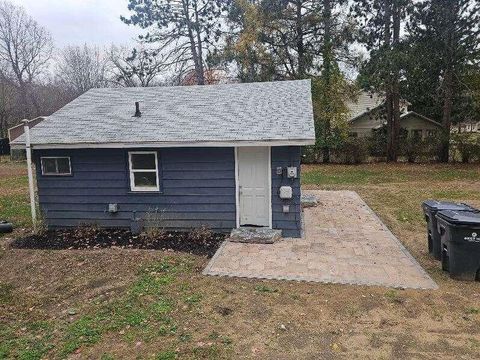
(300, 142)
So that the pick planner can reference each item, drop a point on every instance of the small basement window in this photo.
(56, 165)
(143, 171)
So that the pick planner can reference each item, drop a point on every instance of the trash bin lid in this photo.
(445, 205)
(460, 217)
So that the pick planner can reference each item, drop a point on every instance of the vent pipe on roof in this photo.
(138, 113)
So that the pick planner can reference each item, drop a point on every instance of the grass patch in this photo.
(143, 313)
(407, 215)
(386, 173)
(344, 177)
(223, 339)
(265, 289)
(16, 209)
(206, 352)
(6, 293)
(84, 331)
(454, 194)
(28, 341)
(185, 337)
(166, 355)
(393, 297)
(107, 357)
(14, 200)
(13, 183)
(192, 299)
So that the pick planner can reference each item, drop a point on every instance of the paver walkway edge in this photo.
(344, 242)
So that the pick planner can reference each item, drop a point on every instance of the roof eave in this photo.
(413, 113)
(121, 145)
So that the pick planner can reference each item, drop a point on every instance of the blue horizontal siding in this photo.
(290, 223)
(197, 189)
(126, 215)
(65, 191)
(102, 207)
(135, 198)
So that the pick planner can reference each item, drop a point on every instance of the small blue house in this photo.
(221, 156)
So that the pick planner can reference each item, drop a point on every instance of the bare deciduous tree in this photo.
(7, 100)
(81, 68)
(132, 68)
(25, 50)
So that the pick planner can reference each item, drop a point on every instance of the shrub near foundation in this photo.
(466, 146)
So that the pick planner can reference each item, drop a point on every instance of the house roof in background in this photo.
(364, 103)
(278, 112)
(423, 117)
(16, 131)
(412, 114)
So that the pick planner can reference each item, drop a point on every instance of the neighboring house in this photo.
(367, 113)
(16, 131)
(189, 156)
(466, 127)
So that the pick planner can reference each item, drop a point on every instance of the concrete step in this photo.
(309, 200)
(255, 235)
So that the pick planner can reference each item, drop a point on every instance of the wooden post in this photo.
(28, 149)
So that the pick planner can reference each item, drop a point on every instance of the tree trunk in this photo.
(447, 114)
(391, 151)
(448, 82)
(395, 83)
(24, 99)
(300, 45)
(197, 61)
(199, 67)
(34, 100)
(327, 70)
(3, 127)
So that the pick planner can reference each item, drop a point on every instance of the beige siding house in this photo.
(367, 114)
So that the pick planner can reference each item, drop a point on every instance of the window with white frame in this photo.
(143, 171)
(56, 165)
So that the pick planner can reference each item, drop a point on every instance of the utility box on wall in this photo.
(292, 172)
(285, 192)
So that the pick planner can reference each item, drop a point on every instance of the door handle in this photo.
(240, 190)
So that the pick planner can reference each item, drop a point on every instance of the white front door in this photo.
(254, 186)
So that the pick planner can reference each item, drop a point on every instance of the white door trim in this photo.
(270, 215)
(237, 193)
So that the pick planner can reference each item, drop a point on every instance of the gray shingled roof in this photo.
(269, 111)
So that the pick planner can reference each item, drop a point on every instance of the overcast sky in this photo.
(75, 22)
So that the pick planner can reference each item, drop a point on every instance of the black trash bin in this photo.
(430, 209)
(460, 242)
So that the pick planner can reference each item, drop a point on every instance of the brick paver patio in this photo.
(344, 242)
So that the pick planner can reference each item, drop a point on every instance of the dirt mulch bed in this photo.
(198, 243)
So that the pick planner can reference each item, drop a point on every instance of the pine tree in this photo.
(332, 89)
(244, 46)
(449, 31)
(380, 21)
(183, 30)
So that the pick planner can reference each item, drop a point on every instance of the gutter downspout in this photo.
(28, 149)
